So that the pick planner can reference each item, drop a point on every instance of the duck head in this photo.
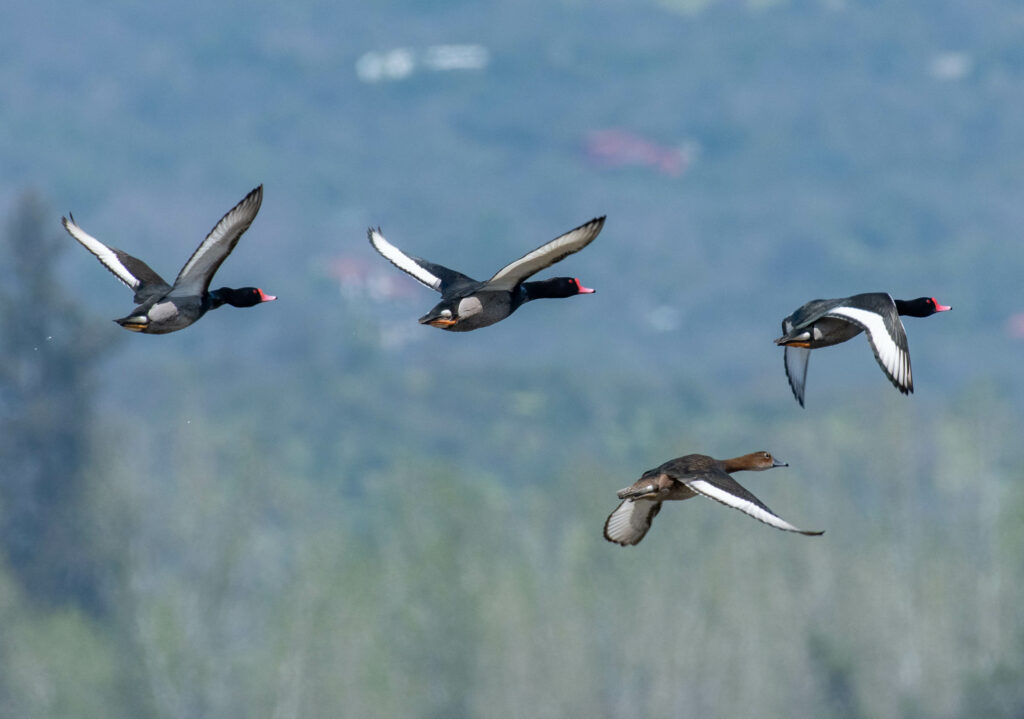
(556, 287)
(241, 297)
(765, 460)
(921, 307)
(755, 462)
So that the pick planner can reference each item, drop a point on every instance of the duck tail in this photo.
(634, 492)
(137, 323)
(800, 340)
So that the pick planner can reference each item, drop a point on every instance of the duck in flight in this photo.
(467, 304)
(685, 477)
(164, 308)
(822, 323)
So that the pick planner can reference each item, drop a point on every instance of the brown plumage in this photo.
(686, 477)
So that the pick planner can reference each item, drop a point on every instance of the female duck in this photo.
(686, 477)
(467, 304)
(821, 323)
(164, 308)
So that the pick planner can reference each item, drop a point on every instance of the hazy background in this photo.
(320, 508)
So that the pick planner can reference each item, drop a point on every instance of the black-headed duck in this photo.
(164, 308)
(686, 477)
(822, 323)
(467, 304)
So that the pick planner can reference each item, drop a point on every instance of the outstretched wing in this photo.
(133, 272)
(888, 341)
(195, 276)
(721, 487)
(436, 277)
(796, 370)
(546, 255)
(629, 523)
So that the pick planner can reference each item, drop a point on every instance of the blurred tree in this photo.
(45, 409)
(836, 676)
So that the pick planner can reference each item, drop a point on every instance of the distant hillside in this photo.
(832, 148)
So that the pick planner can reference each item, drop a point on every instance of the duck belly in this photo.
(162, 316)
(679, 491)
(830, 331)
(480, 310)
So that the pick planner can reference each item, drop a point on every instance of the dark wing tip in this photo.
(596, 223)
(810, 533)
(799, 397)
(256, 192)
(255, 196)
(605, 531)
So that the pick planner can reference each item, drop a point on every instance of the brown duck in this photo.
(686, 477)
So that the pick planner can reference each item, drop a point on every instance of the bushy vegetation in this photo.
(417, 586)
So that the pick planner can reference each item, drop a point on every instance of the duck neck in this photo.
(214, 299)
(904, 307)
(915, 308)
(243, 297)
(543, 289)
(556, 287)
(736, 464)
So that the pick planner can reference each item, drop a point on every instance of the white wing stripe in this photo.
(231, 226)
(619, 520)
(103, 253)
(629, 522)
(402, 261)
(744, 505)
(890, 355)
(533, 262)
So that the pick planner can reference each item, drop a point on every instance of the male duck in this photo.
(164, 308)
(467, 304)
(821, 323)
(686, 477)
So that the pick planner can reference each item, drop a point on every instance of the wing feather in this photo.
(402, 261)
(888, 341)
(630, 521)
(546, 255)
(107, 256)
(195, 276)
(796, 359)
(721, 487)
